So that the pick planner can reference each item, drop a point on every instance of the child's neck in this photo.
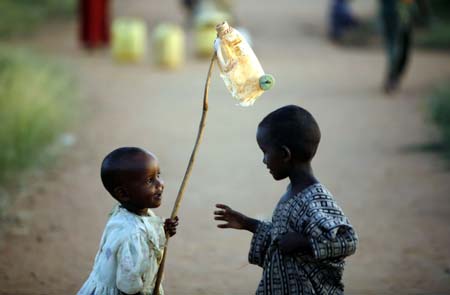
(137, 211)
(301, 177)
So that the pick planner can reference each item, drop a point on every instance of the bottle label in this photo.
(226, 31)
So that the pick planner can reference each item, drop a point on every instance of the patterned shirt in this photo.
(314, 214)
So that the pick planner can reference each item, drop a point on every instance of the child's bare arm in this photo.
(293, 242)
(234, 219)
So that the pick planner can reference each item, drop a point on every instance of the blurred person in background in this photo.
(94, 22)
(194, 8)
(189, 5)
(396, 20)
(341, 19)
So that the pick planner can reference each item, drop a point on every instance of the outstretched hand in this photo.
(170, 226)
(233, 219)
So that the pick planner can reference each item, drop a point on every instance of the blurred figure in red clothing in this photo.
(94, 19)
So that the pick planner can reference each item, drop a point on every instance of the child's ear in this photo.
(121, 194)
(287, 156)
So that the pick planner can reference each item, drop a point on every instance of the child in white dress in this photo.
(132, 244)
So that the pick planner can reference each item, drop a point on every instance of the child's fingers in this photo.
(219, 212)
(172, 221)
(172, 224)
(226, 225)
(220, 218)
(222, 206)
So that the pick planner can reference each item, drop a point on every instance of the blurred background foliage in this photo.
(436, 33)
(37, 103)
(439, 106)
(437, 36)
(37, 94)
(23, 17)
(440, 8)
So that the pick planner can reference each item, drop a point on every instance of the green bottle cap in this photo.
(266, 82)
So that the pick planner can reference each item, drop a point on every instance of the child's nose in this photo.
(160, 183)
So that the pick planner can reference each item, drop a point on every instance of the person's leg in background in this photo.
(389, 26)
(396, 20)
(403, 51)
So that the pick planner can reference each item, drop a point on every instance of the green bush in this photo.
(440, 113)
(440, 8)
(436, 32)
(437, 36)
(22, 17)
(37, 103)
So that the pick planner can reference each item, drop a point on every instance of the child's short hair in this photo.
(295, 128)
(115, 165)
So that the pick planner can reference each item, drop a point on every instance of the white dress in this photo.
(129, 254)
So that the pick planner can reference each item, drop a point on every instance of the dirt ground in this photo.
(395, 195)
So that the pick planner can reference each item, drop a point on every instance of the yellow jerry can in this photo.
(168, 46)
(129, 40)
(204, 40)
(205, 30)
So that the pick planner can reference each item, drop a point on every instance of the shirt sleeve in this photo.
(329, 231)
(260, 243)
(132, 262)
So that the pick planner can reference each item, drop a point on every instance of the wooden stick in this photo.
(188, 172)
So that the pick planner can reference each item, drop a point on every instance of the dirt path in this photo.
(396, 198)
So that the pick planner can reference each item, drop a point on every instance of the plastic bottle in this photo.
(239, 67)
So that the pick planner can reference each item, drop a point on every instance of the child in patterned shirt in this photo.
(302, 249)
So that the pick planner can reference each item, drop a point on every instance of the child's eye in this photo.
(152, 179)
